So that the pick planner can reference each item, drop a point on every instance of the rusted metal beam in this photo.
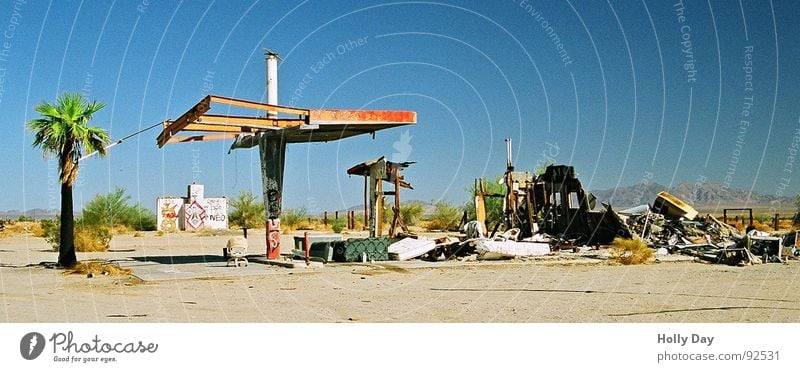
(219, 128)
(250, 121)
(189, 117)
(203, 137)
(258, 105)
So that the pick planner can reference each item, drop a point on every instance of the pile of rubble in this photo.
(669, 226)
(551, 212)
(672, 224)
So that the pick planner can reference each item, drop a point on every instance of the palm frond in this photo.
(62, 131)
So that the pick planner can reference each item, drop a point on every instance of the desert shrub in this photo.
(113, 209)
(388, 213)
(105, 210)
(292, 218)
(246, 211)
(763, 217)
(411, 212)
(90, 238)
(24, 218)
(338, 224)
(51, 230)
(631, 252)
(140, 218)
(445, 216)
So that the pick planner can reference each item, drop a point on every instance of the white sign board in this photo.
(216, 216)
(169, 213)
(196, 192)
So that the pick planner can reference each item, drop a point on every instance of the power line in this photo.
(120, 140)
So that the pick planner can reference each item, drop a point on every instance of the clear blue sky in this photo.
(623, 90)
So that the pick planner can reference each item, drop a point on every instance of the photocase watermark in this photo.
(8, 36)
(318, 66)
(548, 155)
(788, 168)
(86, 91)
(697, 186)
(647, 179)
(313, 206)
(196, 170)
(66, 349)
(207, 86)
(547, 28)
(142, 7)
(53, 182)
(31, 345)
(208, 82)
(744, 119)
(689, 63)
(402, 147)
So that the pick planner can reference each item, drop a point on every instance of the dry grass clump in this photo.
(785, 224)
(92, 239)
(120, 230)
(631, 252)
(98, 268)
(21, 228)
(37, 230)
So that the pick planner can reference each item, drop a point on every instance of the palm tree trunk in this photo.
(66, 251)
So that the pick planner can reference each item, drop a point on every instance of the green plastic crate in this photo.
(352, 250)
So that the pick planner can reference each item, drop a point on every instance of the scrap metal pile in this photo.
(550, 212)
(672, 224)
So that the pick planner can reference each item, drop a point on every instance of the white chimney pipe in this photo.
(272, 80)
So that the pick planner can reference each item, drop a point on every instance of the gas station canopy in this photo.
(296, 125)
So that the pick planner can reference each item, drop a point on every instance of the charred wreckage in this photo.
(551, 211)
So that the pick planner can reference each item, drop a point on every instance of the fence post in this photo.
(325, 218)
(775, 222)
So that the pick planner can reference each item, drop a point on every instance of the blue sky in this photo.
(624, 90)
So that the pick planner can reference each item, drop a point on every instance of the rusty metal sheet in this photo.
(361, 117)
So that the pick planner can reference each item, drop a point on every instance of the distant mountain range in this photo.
(704, 197)
(36, 213)
(701, 196)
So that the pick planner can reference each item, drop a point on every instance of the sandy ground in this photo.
(509, 291)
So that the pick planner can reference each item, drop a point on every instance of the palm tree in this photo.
(62, 131)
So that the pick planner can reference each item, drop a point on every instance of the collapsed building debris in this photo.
(545, 213)
(673, 224)
(554, 203)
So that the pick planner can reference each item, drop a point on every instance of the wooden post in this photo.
(378, 208)
(366, 203)
(306, 246)
(775, 222)
(325, 218)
